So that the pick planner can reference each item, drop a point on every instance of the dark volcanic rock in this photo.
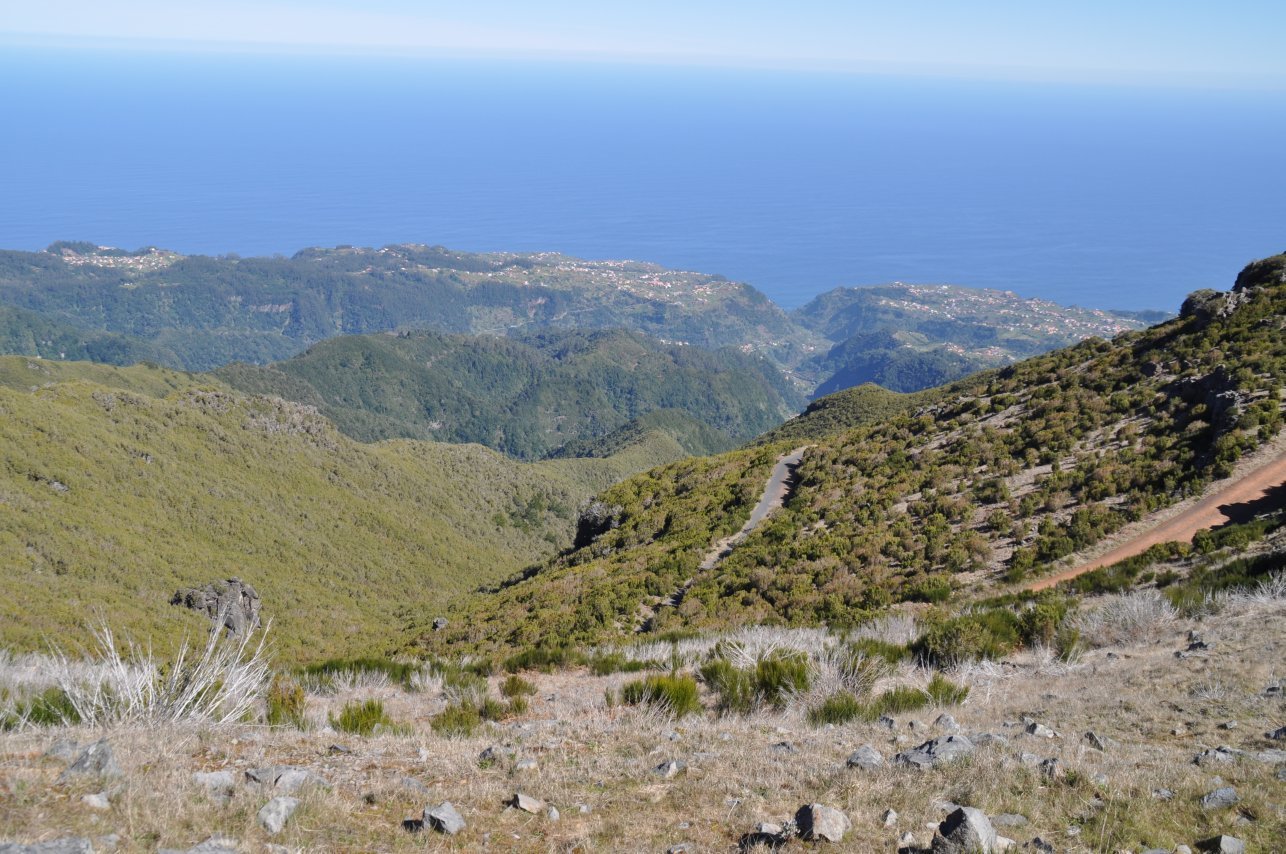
(232, 604)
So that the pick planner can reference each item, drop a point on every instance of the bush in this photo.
(398, 672)
(893, 653)
(615, 662)
(543, 658)
(286, 702)
(988, 634)
(675, 694)
(516, 686)
(51, 707)
(779, 676)
(734, 686)
(943, 692)
(457, 719)
(838, 708)
(362, 718)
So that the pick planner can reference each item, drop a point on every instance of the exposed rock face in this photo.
(596, 519)
(232, 604)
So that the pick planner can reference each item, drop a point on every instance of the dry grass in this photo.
(600, 757)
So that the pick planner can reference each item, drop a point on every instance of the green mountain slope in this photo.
(201, 312)
(527, 397)
(912, 337)
(120, 485)
(995, 479)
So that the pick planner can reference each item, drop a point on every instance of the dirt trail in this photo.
(775, 492)
(1205, 513)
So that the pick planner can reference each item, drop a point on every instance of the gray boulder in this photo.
(1040, 730)
(669, 769)
(64, 749)
(527, 803)
(274, 814)
(1009, 819)
(444, 818)
(1099, 742)
(820, 823)
(935, 751)
(866, 758)
(1222, 844)
(66, 845)
(213, 845)
(94, 761)
(1224, 796)
(965, 831)
(1278, 734)
(947, 722)
(1217, 756)
(219, 785)
(233, 604)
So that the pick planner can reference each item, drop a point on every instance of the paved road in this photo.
(1254, 485)
(775, 492)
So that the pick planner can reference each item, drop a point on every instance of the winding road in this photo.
(1214, 509)
(775, 493)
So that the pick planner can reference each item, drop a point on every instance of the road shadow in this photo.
(1272, 501)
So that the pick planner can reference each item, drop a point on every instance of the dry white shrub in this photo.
(217, 685)
(1134, 618)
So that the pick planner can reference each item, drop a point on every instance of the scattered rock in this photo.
(818, 822)
(669, 769)
(553, 815)
(1224, 796)
(1219, 755)
(907, 841)
(947, 722)
(1222, 844)
(1040, 730)
(66, 845)
(1163, 794)
(339, 748)
(982, 739)
(784, 747)
(444, 818)
(867, 758)
(285, 779)
(527, 803)
(97, 801)
(1028, 758)
(439, 623)
(887, 722)
(1053, 769)
(1038, 844)
(94, 761)
(889, 818)
(1098, 742)
(1009, 819)
(526, 765)
(64, 749)
(212, 845)
(1270, 757)
(965, 831)
(768, 828)
(274, 814)
(1278, 734)
(1228, 725)
(232, 604)
(935, 751)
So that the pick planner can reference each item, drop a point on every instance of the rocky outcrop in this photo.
(596, 519)
(233, 604)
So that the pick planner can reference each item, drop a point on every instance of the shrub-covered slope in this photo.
(527, 397)
(1000, 477)
(119, 485)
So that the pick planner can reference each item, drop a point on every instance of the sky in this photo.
(1233, 43)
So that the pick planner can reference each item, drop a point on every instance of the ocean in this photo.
(1109, 197)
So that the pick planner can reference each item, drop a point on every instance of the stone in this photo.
(1038, 844)
(274, 814)
(66, 845)
(554, 815)
(1098, 742)
(768, 828)
(212, 845)
(97, 801)
(1163, 794)
(935, 751)
(866, 758)
(1009, 819)
(232, 604)
(439, 623)
(1224, 796)
(784, 747)
(1028, 758)
(292, 780)
(1053, 769)
(982, 739)
(219, 785)
(887, 722)
(64, 749)
(1270, 757)
(818, 822)
(889, 818)
(1222, 844)
(669, 769)
(947, 722)
(907, 840)
(527, 803)
(1040, 730)
(96, 760)
(339, 748)
(1219, 755)
(1004, 843)
(1228, 725)
(965, 831)
(444, 818)
(526, 765)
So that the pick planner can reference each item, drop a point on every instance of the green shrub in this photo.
(615, 662)
(837, 709)
(362, 718)
(943, 692)
(516, 686)
(398, 672)
(457, 719)
(286, 702)
(491, 709)
(51, 707)
(675, 694)
(893, 653)
(735, 687)
(780, 675)
(543, 658)
(517, 706)
(987, 634)
(898, 700)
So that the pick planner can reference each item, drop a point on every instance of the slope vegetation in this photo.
(118, 486)
(527, 397)
(1002, 477)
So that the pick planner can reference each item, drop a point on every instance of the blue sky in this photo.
(1230, 43)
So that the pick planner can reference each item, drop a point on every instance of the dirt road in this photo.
(1206, 513)
(775, 492)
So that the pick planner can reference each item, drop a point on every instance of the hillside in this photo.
(911, 337)
(527, 396)
(997, 480)
(120, 485)
(199, 312)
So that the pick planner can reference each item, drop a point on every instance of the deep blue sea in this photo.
(795, 182)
